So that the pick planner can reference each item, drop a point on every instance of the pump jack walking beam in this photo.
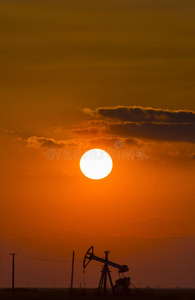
(90, 256)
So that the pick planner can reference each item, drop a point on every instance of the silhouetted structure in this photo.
(72, 272)
(121, 285)
(13, 270)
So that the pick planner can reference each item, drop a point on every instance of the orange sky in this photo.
(73, 77)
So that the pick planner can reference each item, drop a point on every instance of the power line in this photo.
(3, 255)
(45, 259)
(41, 258)
(134, 286)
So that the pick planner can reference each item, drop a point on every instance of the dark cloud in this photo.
(134, 141)
(147, 123)
(165, 132)
(92, 127)
(35, 141)
(87, 130)
(142, 114)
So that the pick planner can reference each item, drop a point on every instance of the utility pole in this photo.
(72, 273)
(13, 269)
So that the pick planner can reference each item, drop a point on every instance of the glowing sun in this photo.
(96, 164)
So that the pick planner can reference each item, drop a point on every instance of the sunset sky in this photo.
(112, 74)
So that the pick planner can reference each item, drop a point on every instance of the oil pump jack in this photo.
(121, 285)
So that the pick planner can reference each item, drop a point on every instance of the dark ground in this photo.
(58, 294)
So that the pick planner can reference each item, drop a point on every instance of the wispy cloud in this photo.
(35, 141)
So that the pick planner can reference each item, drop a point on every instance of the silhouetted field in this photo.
(58, 294)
